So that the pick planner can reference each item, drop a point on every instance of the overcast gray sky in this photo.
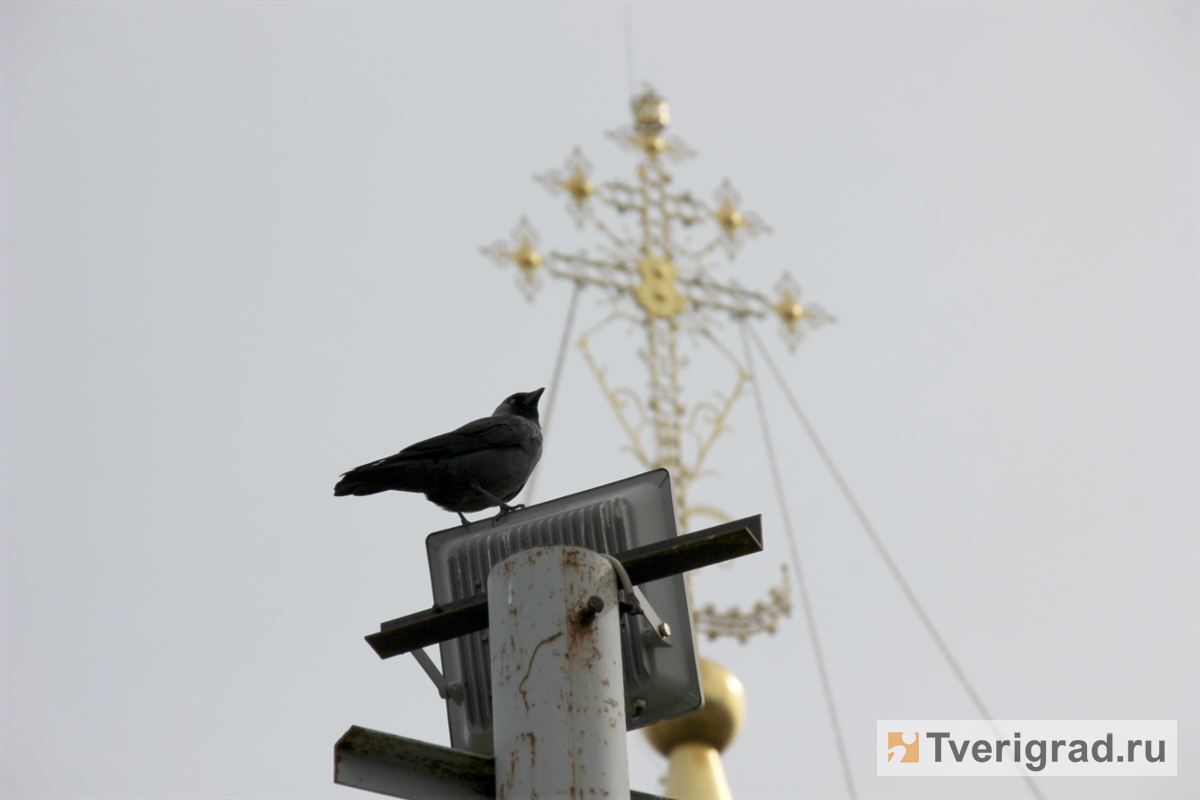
(242, 256)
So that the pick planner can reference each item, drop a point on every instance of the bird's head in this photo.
(523, 404)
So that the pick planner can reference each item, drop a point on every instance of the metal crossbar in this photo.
(644, 564)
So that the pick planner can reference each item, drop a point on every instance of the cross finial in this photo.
(659, 271)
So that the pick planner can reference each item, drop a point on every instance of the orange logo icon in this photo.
(903, 747)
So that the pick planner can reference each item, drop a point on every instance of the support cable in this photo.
(801, 585)
(558, 368)
(888, 561)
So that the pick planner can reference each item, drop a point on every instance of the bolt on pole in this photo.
(558, 699)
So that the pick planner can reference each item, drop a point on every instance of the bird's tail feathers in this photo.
(357, 487)
(381, 476)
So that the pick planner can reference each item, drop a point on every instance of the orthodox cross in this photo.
(655, 278)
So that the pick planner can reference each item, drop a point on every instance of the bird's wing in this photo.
(483, 434)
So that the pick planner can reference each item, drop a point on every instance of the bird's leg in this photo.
(465, 521)
(505, 508)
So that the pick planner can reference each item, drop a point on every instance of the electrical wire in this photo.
(801, 585)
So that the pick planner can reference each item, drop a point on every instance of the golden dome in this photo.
(717, 724)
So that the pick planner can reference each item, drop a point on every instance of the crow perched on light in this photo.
(484, 463)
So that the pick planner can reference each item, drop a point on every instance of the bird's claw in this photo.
(506, 509)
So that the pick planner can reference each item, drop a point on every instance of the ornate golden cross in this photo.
(656, 279)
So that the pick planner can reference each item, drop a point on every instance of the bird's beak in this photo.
(537, 395)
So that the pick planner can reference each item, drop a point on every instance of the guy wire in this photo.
(558, 368)
(878, 542)
(801, 585)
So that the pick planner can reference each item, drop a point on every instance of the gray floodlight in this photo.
(662, 678)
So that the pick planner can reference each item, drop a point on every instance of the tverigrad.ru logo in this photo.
(1026, 747)
(904, 746)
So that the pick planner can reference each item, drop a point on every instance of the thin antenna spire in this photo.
(629, 49)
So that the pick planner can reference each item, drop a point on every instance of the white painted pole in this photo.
(558, 693)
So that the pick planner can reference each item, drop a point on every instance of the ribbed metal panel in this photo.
(662, 679)
(601, 527)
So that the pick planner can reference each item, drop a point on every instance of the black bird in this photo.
(484, 463)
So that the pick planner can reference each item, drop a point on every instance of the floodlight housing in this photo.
(662, 678)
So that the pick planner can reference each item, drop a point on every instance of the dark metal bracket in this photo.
(399, 767)
(644, 564)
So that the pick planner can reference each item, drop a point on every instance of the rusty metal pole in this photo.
(558, 704)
